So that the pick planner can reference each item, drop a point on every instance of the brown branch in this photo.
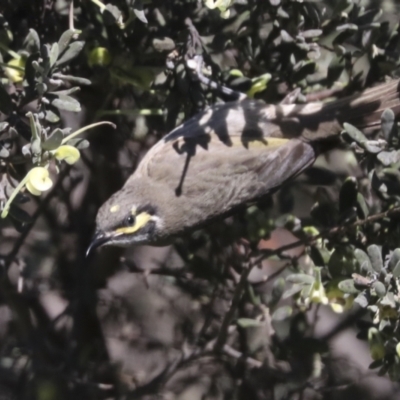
(325, 234)
(251, 362)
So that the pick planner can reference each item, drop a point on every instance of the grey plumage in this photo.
(228, 155)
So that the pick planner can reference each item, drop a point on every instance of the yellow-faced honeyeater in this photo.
(226, 156)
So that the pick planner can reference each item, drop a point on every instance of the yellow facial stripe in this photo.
(141, 220)
(133, 210)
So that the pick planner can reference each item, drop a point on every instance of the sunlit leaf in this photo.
(38, 181)
(67, 153)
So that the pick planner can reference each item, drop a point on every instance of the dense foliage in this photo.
(247, 308)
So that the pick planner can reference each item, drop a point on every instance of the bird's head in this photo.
(126, 218)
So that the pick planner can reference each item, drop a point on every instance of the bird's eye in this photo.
(130, 220)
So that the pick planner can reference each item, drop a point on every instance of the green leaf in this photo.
(376, 364)
(32, 41)
(249, 323)
(33, 126)
(369, 16)
(81, 144)
(65, 39)
(341, 262)
(375, 256)
(53, 54)
(306, 291)
(72, 51)
(396, 270)
(389, 300)
(282, 313)
(36, 147)
(67, 103)
(41, 88)
(362, 208)
(394, 259)
(292, 291)
(4, 153)
(347, 27)
(362, 300)
(164, 44)
(347, 286)
(139, 12)
(112, 14)
(383, 324)
(389, 157)
(30, 72)
(26, 150)
(66, 92)
(388, 123)
(307, 69)
(311, 33)
(373, 146)
(380, 288)
(355, 134)
(365, 265)
(3, 126)
(319, 256)
(51, 117)
(301, 279)
(74, 79)
(241, 84)
(277, 290)
(54, 140)
(384, 370)
(45, 52)
(286, 38)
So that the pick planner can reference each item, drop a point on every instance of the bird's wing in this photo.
(236, 152)
(232, 145)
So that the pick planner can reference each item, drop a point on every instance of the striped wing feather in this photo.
(212, 163)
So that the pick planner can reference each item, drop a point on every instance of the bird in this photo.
(229, 155)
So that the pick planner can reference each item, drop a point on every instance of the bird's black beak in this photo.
(98, 239)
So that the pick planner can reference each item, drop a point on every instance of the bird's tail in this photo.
(365, 109)
(314, 122)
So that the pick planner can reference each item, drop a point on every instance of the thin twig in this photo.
(251, 362)
(71, 16)
(325, 234)
(237, 295)
(9, 258)
(209, 317)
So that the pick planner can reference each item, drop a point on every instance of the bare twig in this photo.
(251, 362)
(71, 16)
(237, 295)
(325, 234)
(208, 317)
